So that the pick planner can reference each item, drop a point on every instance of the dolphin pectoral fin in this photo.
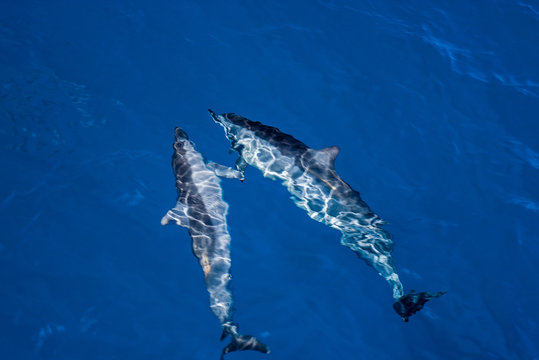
(225, 171)
(240, 165)
(409, 304)
(178, 214)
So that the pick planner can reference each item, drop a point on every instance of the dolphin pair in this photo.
(201, 209)
(310, 176)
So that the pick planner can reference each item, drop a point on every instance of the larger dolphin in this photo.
(201, 209)
(310, 176)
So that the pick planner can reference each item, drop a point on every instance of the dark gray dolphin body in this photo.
(310, 176)
(201, 209)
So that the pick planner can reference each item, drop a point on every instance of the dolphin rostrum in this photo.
(310, 176)
(201, 209)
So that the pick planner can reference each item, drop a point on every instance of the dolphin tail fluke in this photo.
(241, 342)
(409, 304)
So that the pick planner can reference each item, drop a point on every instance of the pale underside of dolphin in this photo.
(310, 176)
(201, 209)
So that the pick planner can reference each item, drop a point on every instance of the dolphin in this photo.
(200, 208)
(310, 176)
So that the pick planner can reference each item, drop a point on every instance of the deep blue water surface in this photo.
(435, 105)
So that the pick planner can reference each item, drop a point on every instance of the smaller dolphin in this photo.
(310, 176)
(200, 208)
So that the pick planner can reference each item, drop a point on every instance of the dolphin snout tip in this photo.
(214, 115)
(179, 133)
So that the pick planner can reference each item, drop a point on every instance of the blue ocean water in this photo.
(435, 106)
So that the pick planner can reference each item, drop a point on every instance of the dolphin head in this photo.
(180, 134)
(228, 123)
(181, 139)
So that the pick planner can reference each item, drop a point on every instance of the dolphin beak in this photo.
(180, 134)
(214, 116)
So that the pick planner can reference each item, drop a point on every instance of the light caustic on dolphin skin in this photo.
(310, 176)
(201, 209)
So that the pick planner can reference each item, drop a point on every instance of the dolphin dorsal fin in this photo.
(328, 155)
